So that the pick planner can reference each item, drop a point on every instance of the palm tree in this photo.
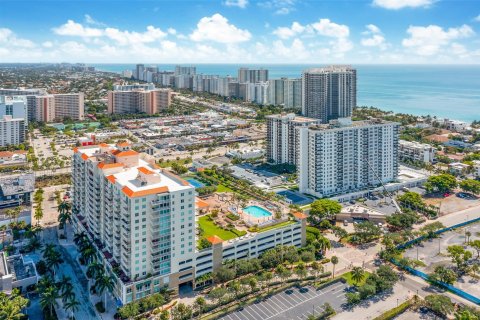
(301, 271)
(357, 274)
(53, 258)
(104, 284)
(48, 299)
(88, 253)
(64, 215)
(38, 215)
(199, 304)
(322, 245)
(80, 238)
(334, 261)
(34, 244)
(316, 268)
(282, 272)
(64, 284)
(72, 305)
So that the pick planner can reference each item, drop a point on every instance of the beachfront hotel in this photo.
(143, 222)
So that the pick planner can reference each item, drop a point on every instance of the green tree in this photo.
(64, 215)
(441, 183)
(73, 306)
(323, 209)
(440, 304)
(357, 274)
(104, 284)
(48, 299)
(430, 229)
(366, 231)
(470, 185)
(402, 220)
(460, 256)
(129, 311)
(301, 271)
(444, 275)
(216, 294)
(11, 305)
(475, 244)
(199, 305)
(411, 200)
(283, 273)
(465, 315)
(223, 274)
(334, 261)
(181, 312)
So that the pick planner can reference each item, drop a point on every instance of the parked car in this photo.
(446, 194)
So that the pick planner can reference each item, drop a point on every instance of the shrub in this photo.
(41, 267)
(99, 307)
(233, 217)
(324, 261)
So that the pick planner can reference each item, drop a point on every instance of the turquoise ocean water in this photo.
(443, 91)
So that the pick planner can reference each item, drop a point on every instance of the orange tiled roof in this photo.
(214, 239)
(104, 145)
(75, 150)
(119, 153)
(84, 156)
(131, 194)
(105, 166)
(201, 204)
(4, 154)
(123, 144)
(299, 215)
(20, 152)
(145, 170)
(111, 178)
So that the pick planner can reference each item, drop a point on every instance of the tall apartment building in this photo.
(292, 93)
(15, 106)
(141, 218)
(185, 70)
(138, 72)
(131, 100)
(276, 91)
(329, 93)
(416, 151)
(12, 131)
(252, 75)
(45, 108)
(31, 98)
(345, 156)
(69, 105)
(281, 137)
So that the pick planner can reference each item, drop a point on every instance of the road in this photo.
(71, 269)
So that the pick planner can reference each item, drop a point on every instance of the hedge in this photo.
(392, 313)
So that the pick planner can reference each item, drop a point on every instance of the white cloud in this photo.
(10, 39)
(477, 18)
(131, 37)
(328, 28)
(296, 49)
(400, 4)
(236, 3)
(47, 44)
(216, 28)
(172, 31)
(427, 41)
(280, 7)
(288, 32)
(374, 38)
(121, 37)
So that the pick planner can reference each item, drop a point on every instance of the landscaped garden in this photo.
(210, 228)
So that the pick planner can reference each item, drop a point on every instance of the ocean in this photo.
(445, 91)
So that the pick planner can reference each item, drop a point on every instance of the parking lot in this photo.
(295, 303)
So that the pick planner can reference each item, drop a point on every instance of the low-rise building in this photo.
(455, 125)
(458, 168)
(12, 158)
(16, 273)
(415, 151)
(16, 190)
(246, 153)
(360, 212)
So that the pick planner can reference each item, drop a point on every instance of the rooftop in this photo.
(17, 184)
(348, 123)
(136, 176)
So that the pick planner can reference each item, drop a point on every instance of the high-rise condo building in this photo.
(292, 93)
(45, 108)
(12, 131)
(252, 75)
(136, 98)
(185, 70)
(276, 91)
(141, 218)
(329, 93)
(15, 106)
(140, 68)
(345, 156)
(69, 105)
(281, 137)
(31, 99)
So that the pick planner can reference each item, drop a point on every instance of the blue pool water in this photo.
(195, 183)
(257, 212)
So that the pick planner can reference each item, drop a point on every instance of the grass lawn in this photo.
(168, 163)
(348, 276)
(210, 229)
(222, 188)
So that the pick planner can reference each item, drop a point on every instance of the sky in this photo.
(241, 31)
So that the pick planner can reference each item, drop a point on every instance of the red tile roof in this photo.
(214, 239)
(131, 194)
(145, 170)
(105, 166)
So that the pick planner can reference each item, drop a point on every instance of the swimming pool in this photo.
(257, 212)
(195, 183)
